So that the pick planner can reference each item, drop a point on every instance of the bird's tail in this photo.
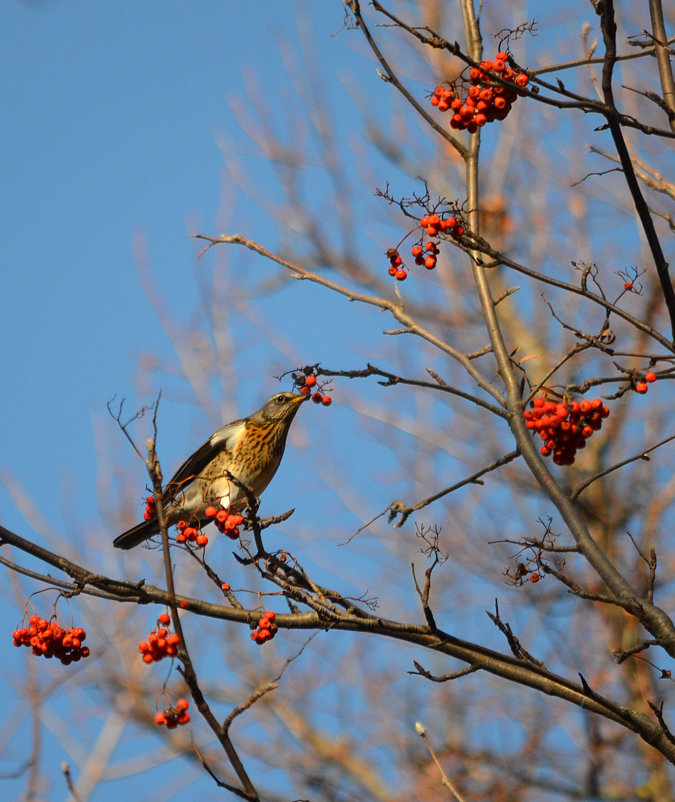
(136, 535)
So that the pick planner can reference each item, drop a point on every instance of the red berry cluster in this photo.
(432, 225)
(396, 266)
(150, 511)
(160, 642)
(307, 385)
(173, 716)
(190, 534)
(486, 100)
(48, 639)
(225, 522)
(267, 628)
(642, 386)
(564, 428)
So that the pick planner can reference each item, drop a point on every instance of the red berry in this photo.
(534, 577)
(211, 511)
(164, 618)
(430, 262)
(640, 387)
(310, 381)
(399, 275)
(650, 376)
(326, 400)
(522, 80)
(316, 398)
(628, 285)
(416, 250)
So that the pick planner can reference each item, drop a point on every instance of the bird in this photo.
(249, 449)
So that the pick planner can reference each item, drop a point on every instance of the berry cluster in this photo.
(522, 573)
(432, 225)
(486, 99)
(642, 386)
(173, 716)
(564, 428)
(225, 522)
(190, 534)
(396, 266)
(267, 628)
(150, 511)
(307, 384)
(160, 642)
(48, 639)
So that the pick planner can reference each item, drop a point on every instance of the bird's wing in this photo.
(223, 440)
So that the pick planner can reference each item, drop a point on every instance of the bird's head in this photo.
(281, 407)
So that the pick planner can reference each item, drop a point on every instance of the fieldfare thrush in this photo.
(249, 450)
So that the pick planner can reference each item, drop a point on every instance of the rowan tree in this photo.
(481, 611)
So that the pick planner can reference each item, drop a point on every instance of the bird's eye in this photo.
(280, 399)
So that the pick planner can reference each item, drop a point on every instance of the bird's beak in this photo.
(298, 399)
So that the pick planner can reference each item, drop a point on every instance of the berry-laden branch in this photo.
(588, 105)
(397, 310)
(188, 671)
(391, 77)
(355, 619)
(654, 619)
